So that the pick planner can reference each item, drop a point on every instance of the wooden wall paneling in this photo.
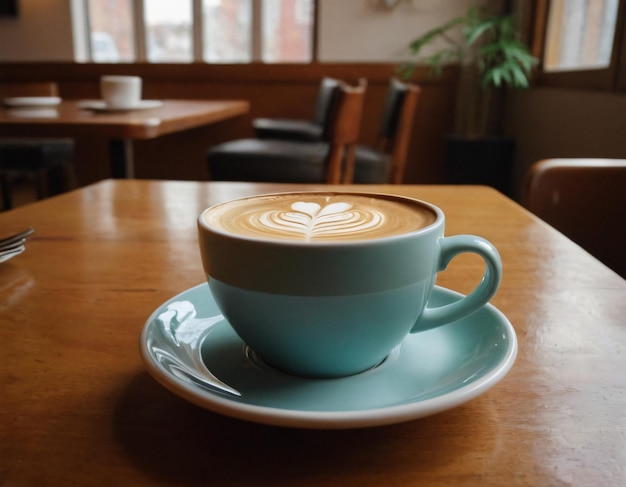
(39, 88)
(434, 119)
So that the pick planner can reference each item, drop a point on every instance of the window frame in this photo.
(83, 50)
(611, 78)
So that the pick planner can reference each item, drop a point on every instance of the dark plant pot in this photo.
(484, 160)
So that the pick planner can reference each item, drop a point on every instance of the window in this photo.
(182, 31)
(228, 31)
(287, 27)
(580, 34)
(168, 28)
(581, 43)
(111, 28)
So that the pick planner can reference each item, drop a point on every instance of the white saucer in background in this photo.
(33, 112)
(32, 101)
(101, 106)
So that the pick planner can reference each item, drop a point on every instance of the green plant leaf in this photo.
(419, 42)
(438, 60)
(521, 54)
(405, 70)
(473, 33)
(520, 80)
(489, 40)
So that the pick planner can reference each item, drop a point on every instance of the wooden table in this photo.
(78, 407)
(69, 119)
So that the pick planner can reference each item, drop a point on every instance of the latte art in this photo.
(310, 220)
(319, 216)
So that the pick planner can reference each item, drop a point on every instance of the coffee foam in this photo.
(320, 217)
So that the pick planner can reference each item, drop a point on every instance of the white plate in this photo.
(32, 101)
(101, 106)
(33, 112)
(193, 351)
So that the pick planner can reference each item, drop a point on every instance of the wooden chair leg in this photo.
(334, 163)
(348, 170)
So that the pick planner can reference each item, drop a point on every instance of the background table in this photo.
(70, 119)
(78, 408)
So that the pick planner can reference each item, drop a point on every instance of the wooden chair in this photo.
(271, 160)
(28, 89)
(585, 199)
(49, 161)
(303, 130)
(396, 125)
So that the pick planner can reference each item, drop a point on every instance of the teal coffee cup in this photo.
(327, 284)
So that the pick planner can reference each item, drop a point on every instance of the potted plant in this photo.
(492, 58)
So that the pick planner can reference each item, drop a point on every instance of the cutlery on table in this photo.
(14, 244)
(16, 239)
(7, 254)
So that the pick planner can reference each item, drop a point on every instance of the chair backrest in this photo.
(342, 131)
(28, 89)
(324, 100)
(396, 125)
(585, 199)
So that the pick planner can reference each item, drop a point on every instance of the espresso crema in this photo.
(319, 216)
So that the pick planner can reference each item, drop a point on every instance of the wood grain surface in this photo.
(167, 127)
(70, 120)
(78, 408)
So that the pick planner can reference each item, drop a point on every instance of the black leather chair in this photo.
(273, 160)
(270, 160)
(49, 161)
(301, 130)
(388, 159)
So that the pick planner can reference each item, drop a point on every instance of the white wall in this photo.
(349, 30)
(41, 32)
(367, 31)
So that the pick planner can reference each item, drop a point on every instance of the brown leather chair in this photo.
(585, 199)
(272, 160)
(302, 130)
(49, 161)
(394, 136)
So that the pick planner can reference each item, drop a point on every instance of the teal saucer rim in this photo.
(222, 404)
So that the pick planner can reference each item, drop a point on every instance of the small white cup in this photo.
(121, 91)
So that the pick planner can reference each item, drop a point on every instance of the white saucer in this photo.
(192, 350)
(101, 106)
(33, 112)
(32, 101)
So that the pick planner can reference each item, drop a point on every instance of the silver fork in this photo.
(7, 254)
(14, 241)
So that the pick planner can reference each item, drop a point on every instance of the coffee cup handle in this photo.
(449, 248)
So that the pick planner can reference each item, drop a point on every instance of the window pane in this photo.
(580, 34)
(168, 30)
(227, 31)
(287, 31)
(111, 31)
